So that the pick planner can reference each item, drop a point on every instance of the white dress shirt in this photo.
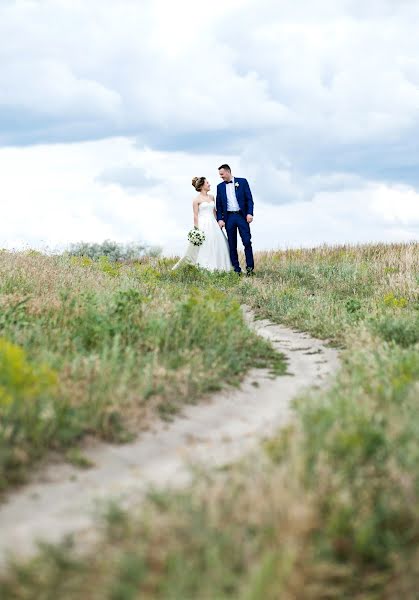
(232, 203)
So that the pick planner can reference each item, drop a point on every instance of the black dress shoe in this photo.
(249, 271)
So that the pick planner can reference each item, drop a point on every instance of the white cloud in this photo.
(326, 68)
(316, 103)
(61, 200)
(64, 198)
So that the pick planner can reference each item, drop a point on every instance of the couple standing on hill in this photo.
(233, 210)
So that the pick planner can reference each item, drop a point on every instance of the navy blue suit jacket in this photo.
(243, 195)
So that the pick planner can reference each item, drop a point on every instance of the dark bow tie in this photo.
(227, 182)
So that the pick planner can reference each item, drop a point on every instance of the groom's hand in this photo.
(221, 224)
(249, 218)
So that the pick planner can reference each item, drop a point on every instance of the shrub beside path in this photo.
(62, 499)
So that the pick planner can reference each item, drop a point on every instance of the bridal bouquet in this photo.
(196, 237)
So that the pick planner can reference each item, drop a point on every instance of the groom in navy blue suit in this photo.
(235, 212)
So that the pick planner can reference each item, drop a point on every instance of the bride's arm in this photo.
(214, 210)
(195, 206)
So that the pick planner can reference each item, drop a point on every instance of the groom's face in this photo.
(225, 175)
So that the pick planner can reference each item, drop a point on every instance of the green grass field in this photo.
(331, 508)
(94, 348)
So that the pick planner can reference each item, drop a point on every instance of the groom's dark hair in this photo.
(225, 167)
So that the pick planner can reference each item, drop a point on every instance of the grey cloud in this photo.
(303, 95)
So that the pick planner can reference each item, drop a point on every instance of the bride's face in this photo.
(207, 186)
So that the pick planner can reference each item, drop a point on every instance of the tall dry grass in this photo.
(329, 508)
(121, 343)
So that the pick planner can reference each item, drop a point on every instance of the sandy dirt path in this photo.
(62, 499)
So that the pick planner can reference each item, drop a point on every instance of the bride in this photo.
(213, 254)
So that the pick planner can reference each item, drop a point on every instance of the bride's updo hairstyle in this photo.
(198, 183)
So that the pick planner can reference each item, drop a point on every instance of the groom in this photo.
(235, 212)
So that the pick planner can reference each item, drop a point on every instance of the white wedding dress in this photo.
(214, 254)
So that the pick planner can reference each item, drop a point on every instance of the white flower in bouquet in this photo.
(196, 236)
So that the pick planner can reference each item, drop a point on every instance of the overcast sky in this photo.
(109, 108)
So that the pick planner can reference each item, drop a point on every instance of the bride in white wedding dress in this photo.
(214, 253)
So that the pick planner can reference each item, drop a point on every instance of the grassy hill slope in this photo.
(330, 508)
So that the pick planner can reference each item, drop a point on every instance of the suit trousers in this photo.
(234, 222)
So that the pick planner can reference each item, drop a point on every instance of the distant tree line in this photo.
(113, 250)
